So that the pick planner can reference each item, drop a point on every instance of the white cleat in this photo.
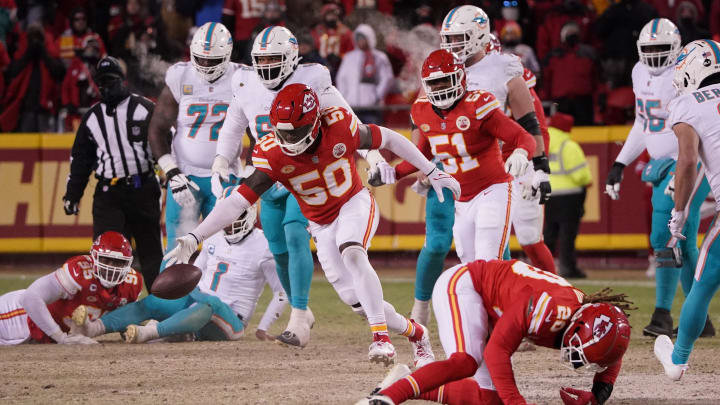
(421, 312)
(297, 332)
(422, 350)
(382, 352)
(397, 373)
(80, 315)
(83, 325)
(140, 333)
(663, 351)
(375, 400)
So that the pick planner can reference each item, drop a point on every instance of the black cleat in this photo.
(707, 332)
(661, 323)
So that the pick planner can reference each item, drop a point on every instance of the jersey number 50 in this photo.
(318, 195)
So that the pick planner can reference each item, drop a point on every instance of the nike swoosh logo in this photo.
(486, 98)
(549, 318)
(76, 273)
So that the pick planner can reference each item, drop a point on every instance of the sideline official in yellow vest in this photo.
(570, 176)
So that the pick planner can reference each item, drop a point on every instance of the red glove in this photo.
(583, 397)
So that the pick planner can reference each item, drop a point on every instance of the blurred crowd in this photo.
(582, 51)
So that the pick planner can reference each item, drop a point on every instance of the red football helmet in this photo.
(112, 257)
(494, 45)
(597, 337)
(443, 78)
(295, 118)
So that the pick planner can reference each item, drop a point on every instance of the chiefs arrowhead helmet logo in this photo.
(601, 326)
(308, 103)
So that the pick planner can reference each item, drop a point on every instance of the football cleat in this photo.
(663, 351)
(421, 312)
(375, 400)
(661, 323)
(82, 324)
(142, 334)
(80, 315)
(382, 351)
(422, 350)
(297, 332)
(397, 373)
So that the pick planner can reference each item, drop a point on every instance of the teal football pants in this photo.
(439, 221)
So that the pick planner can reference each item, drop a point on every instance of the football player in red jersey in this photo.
(462, 129)
(311, 152)
(515, 301)
(102, 281)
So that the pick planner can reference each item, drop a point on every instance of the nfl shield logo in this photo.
(135, 130)
(315, 159)
(442, 125)
(211, 249)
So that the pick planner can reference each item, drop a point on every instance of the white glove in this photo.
(670, 189)
(381, 174)
(184, 248)
(65, 339)
(220, 174)
(421, 186)
(517, 163)
(178, 183)
(613, 191)
(676, 224)
(538, 188)
(439, 179)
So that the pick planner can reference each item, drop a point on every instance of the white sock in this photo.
(395, 322)
(367, 284)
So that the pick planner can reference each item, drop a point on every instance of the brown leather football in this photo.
(176, 281)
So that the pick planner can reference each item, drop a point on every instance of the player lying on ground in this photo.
(102, 281)
(695, 119)
(275, 65)
(236, 264)
(515, 301)
(312, 153)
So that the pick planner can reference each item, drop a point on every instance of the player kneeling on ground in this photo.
(236, 264)
(516, 301)
(312, 154)
(101, 281)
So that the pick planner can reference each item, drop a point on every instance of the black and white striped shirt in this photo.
(115, 146)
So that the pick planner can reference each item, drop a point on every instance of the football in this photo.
(176, 281)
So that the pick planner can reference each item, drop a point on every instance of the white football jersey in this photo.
(236, 273)
(202, 107)
(650, 130)
(251, 102)
(492, 73)
(701, 110)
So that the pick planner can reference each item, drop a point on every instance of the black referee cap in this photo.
(109, 66)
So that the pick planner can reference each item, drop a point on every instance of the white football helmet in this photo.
(243, 225)
(210, 50)
(275, 41)
(658, 45)
(697, 61)
(473, 24)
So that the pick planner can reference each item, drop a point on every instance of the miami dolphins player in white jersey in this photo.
(658, 46)
(465, 32)
(695, 119)
(275, 65)
(194, 101)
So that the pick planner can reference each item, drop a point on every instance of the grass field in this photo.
(333, 369)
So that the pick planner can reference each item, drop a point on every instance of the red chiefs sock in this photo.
(462, 392)
(458, 366)
(540, 256)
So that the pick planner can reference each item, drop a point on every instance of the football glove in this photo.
(381, 174)
(220, 174)
(676, 224)
(540, 183)
(439, 179)
(65, 339)
(181, 187)
(571, 396)
(71, 207)
(517, 163)
(614, 178)
(670, 189)
(183, 250)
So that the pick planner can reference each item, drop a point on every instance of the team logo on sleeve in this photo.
(339, 149)
(308, 103)
(287, 169)
(187, 89)
(425, 127)
(462, 122)
(601, 326)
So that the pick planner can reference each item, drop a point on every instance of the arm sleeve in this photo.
(43, 291)
(229, 143)
(401, 146)
(82, 160)
(277, 304)
(504, 128)
(405, 169)
(634, 144)
(226, 211)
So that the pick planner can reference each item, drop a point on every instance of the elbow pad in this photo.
(602, 391)
(530, 123)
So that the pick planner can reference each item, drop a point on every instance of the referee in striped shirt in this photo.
(112, 141)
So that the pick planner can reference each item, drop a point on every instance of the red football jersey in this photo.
(465, 138)
(324, 177)
(524, 302)
(78, 280)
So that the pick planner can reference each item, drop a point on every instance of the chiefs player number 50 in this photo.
(317, 195)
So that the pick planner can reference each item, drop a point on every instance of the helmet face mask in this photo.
(443, 79)
(210, 51)
(294, 141)
(241, 227)
(112, 258)
(274, 55)
(658, 45)
(269, 66)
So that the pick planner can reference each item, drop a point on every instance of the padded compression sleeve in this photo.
(401, 146)
(530, 123)
(225, 212)
(43, 291)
